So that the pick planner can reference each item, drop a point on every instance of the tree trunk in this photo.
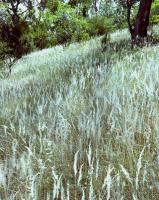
(95, 6)
(129, 6)
(139, 30)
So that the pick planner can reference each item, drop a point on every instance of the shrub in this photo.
(81, 30)
(154, 17)
(100, 25)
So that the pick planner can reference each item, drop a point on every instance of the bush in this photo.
(100, 25)
(154, 17)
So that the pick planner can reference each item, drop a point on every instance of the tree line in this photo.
(26, 25)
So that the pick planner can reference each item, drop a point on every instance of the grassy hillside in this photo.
(78, 122)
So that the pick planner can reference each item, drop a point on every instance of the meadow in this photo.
(81, 122)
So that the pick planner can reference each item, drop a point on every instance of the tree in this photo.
(15, 23)
(139, 29)
(142, 20)
(12, 28)
(83, 6)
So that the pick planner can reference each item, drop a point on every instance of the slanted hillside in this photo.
(80, 122)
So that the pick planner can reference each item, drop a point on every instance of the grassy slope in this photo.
(79, 123)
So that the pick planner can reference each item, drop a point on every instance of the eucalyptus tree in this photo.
(138, 29)
(12, 26)
(17, 16)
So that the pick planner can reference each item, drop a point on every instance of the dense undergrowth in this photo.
(80, 122)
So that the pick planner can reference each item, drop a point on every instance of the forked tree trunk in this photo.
(139, 31)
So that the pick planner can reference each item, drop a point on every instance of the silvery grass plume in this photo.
(81, 122)
(139, 165)
(108, 181)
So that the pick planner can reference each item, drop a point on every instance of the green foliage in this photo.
(154, 18)
(53, 5)
(3, 49)
(116, 11)
(82, 5)
(58, 23)
(100, 25)
(64, 25)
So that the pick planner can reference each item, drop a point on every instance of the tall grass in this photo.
(81, 123)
